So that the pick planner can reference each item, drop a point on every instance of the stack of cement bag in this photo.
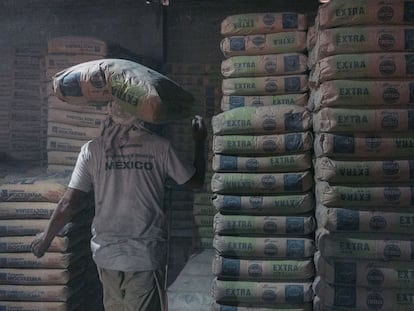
(70, 126)
(362, 78)
(64, 278)
(263, 181)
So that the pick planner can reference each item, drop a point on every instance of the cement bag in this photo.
(72, 131)
(354, 298)
(363, 246)
(262, 120)
(141, 91)
(26, 210)
(17, 244)
(394, 65)
(311, 37)
(75, 118)
(201, 209)
(64, 144)
(280, 164)
(59, 169)
(263, 225)
(367, 273)
(363, 120)
(364, 172)
(22, 227)
(261, 292)
(77, 45)
(359, 94)
(260, 270)
(38, 276)
(61, 157)
(256, 145)
(48, 261)
(260, 23)
(262, 44)
(252, 183)
(203, 220)
(367, 196)
(364, 146)
(36, 306)
(253, 307)
(202, 198)
(349, 220)
(266, 248)
(270, 85)
(229, 102)
(53, 293)
(264, 65)
(264, 205)
(55, 103)
(364, 12)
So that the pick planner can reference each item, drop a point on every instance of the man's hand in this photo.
(39, 245)
(199, 128)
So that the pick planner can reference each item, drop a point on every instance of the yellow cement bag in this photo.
(262, 44)
(364, 12)
(263, 225)
(260, 23)
(363, 120)
(264, 65)
(229, 102)
(264, 205)
(253, 307)
(26, 210)
(270, 85)
(72, 131)
(260, 270)
(77, 45)
(367, 273)
(364, 172)
(139, 90)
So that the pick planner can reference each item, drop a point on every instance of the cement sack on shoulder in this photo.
(77, 45)
(263, 225)
(355, 298)
(55, 293)
(26, 210)
(364, 172)
(62, 158)
(359, 94)
(369, 146)
(262, 293)
(76, 118)
(260, 23)
(346, 120)
(48, 261)
(140, 91)
(270, 85)
(252, 183)
(367, 196)
(264, 65)
(364, 12)
(367, 273)
(72, 131)
(37, 306)
(260, 270)
(253, 307)
(64, 144)
(363, 246)
(348, 220)
(264, 248)
(229, 102)
(280, 164)
(262, 44)
(257, 145)
(262, 120)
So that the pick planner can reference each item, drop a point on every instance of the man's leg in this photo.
(112, 289)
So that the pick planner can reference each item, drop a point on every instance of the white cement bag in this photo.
(72, 131)
(77, 45)
(26, 210)
(64, 144)
(62, 158)
(76, 118)
(229, 102)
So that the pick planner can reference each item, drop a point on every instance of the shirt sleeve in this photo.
(81, 178)
(180, 171)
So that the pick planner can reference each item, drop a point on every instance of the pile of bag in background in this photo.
(65, 278)
(362, 71)
(263, 179)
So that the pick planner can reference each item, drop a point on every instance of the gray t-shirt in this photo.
(129, 230)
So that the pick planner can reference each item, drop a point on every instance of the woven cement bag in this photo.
(264, 205)
(255, 183)
(369, 94)
(77, 45)
(256, 145)
(363, 246)
(262, 120)
(262, 44)
(270, 85)
(37, 306)
(76, 118)
(364, 172)
(364, 146)
(264, 65)
(355, 272)
(394, 65)
(26, 210)
(229, 102)
(61, 157)
(261, 23)
(64, 144)
(280, 164)
(141, 91)
(282, 270)
(348, 220)
(48, 261)
(263, 225)
(72, 131)
(369, 196)
(38, 276)
(261, 292)
(359, 120)
(253, 307)
(264, 248)
(363, 298)
(364, 12)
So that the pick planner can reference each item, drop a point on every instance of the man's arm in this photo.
(65, 209)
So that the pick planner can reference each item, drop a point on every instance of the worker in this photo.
(127, 167)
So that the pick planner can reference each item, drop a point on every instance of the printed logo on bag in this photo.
(270, 227)
(97, 79)
(387, 67)
(392, 251)
(270, 249)
(252, 164)
(385, 13)
(270, 66)
(391, 95)
(390, 168)
(269, 295)
(256, 202)
(255, 270)
(294, 294)
(386, 41)
(378, 223)
(389, 120)
(375, 301)
(392, 194)
(269, 19)
(375, 277)
(269, 124)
